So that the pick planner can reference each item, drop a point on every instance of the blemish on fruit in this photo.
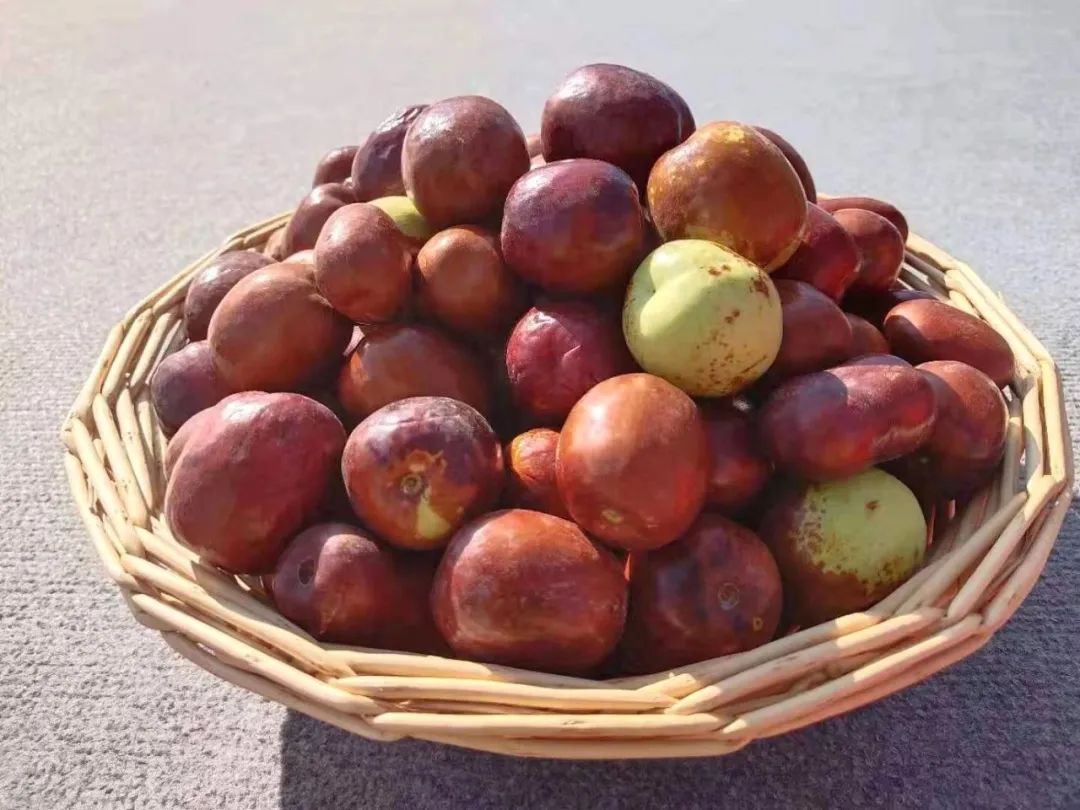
(612, 515)
(728, 595)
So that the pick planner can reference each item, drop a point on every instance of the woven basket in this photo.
(985, 556)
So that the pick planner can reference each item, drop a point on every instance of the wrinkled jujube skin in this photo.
(460, 158)
(530, 472)
(397, 361)
(212, 282)
(738, 467)
(615, 114)
(731, 185)
(363, 265)
(574, 226)
(335, 166)
(376, 167)
(879, 207)
(796, 161)
(832, 424)
(463, 283)
(274, 332)
(816, 334)
(185, 383)
(714, 591)
(557, 352)
(417, 469)
(880, 247)
(874, 305)
(865, 337)
(530, 590)
(303, 228)
(247, 474)
(342, 586)
(920, 331)
(968, 441)
(826, 257)
(632, 462)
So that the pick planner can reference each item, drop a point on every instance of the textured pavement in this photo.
(135, 135)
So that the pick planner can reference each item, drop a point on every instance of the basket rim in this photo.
(986, 557)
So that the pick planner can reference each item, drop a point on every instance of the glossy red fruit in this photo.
(464, 283)
(921, 331)
(393, 361)
(615, 114)
(247, 474)
(714, 591)
(342, 586)
(968, 441)
(363, 265)
(573, 226)
(880, 246)
(335, 166)
(376, 167)
(826, 256)
(865, 337)
(796, 161)
(816, 333)
(530, 590)
(459, 159)
(212, 282)
(879, 207)
(311, 214)
(835, 423)
(530, 467)
(738, 467)
(632, 462)
(557, 352)
(185, 383)
(417, 469)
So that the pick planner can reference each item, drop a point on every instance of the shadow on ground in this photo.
(985, 704)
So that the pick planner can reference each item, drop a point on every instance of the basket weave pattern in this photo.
(986, 555)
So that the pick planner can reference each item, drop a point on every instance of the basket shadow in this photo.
(950, 741)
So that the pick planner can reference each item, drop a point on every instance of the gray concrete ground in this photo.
(135, 135)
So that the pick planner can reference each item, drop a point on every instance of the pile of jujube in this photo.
(618, 397)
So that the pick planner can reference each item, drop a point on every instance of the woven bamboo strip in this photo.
(690, 678)
(659, 748)
(1033, 438)
(121, 364)
(154, 348)
(128, 424)
(756, 722)
(465, 707)
(103, 489)
(411, 664)
(964, 602)
(253, 659)
(983, 558)
(533, 725)
(510, 694)
(1014, 437)
(1019, 585)
(271, 691)
(792, 666)
(104, 547)
(148, 427)
(960, 558)
(240, 611)
(80, 409)
(918, 672)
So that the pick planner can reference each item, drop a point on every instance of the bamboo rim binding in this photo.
(986, 556)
